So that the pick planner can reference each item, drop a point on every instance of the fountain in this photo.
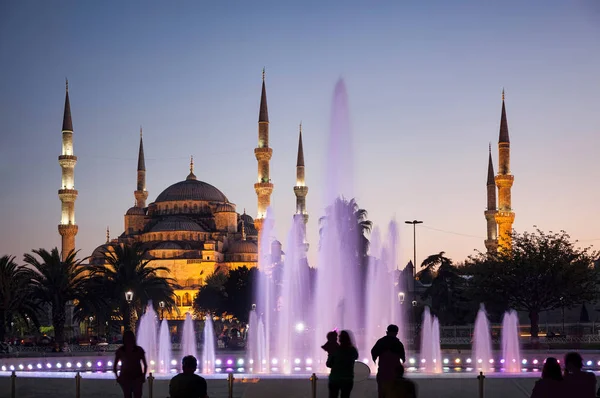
(188, 340)
(431, 357)
(208, 349)
(146, 335)
(164, 347)
(511, 351)
(482, 344)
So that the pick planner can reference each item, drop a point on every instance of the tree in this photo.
(239, 288)
(447, 290)
(542, 271)
(128, 268)
(16, 294)
(211, 296)
(353, 226)
(57, 282)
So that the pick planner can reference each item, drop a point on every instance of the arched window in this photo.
(186, 300)
(178, 300)
(189, 283)
(185, 208)
(175, 208)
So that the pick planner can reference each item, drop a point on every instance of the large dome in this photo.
(191, 189)
(176, 224)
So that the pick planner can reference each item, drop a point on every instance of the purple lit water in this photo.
(207, 365)
(188, 340)
(511, 350)
(482, 342)
(164, 348)
(147, 336)
(430, 355)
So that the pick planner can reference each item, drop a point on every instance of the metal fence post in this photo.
(77, 385)
(150, 385)
(313, 385)
(13, 385)
(480, 378)
(230, 385)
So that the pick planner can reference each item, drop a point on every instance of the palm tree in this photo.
(352, 224)
(128, 268)
(16, 298)
(57, 282)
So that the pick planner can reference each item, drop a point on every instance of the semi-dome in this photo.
(167, 246)
(191, 189)
(243, 246)
(225, 207)
(176, 224)
(135, 211)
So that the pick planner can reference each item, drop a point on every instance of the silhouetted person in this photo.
(132, 357)
(188, 384)
(341, 362)
(331, 345)
(578, 383)
(390, 352)
(401, 387)
(551, 385)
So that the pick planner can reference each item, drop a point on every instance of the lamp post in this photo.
(562, 305)
(90, 328)
(401, 297)
(414, 276)
(161, 304)
(129, 299)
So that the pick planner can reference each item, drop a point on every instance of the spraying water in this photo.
(208, 350)
(147, 336)
(482, 344)
(188, 340)
(164, 348)
(511, 351)
(265, 294)
(431, 356)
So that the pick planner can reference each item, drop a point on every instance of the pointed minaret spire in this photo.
(491, 243)
(263, 114)
(505, 217)
(301, 190)
(67, 193)
(263, 153)
(107, 234)
(191, 176)
(243, 228)
(140, 193)
(67, 122)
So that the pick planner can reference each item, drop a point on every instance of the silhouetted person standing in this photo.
(341, 361)
(188, 384)
(132, 357)
(390, 352)
(578, 383)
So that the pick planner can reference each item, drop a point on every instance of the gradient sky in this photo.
(423, 79)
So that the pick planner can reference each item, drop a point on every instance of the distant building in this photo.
(191, 228)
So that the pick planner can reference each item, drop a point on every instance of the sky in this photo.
(424, 82)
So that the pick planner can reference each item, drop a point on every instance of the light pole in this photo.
(129, 299)
(161, 304)
(414, 276)
(562, 305)
(90, 328)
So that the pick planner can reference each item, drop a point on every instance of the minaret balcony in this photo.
(263, 153)
(67, 160)
(300, 190)
(67, 195)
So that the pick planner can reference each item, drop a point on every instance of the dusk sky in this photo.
(424, 82)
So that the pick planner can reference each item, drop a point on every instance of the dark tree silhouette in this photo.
(16, 294)
(57, 282)
(542, 271)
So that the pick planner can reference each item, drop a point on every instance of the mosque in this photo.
(191, 228)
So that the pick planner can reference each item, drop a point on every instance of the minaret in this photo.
(263, 154)
(67, 194)
(300, 190)
(491, 243)
(504, 181)
(141, 194)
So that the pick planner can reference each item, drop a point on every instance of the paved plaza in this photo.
(103, 385)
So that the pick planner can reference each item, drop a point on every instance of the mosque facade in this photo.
(191, 227)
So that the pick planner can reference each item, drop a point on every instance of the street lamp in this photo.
(161, 304)
(562, 305)
(129, 299)
(401, 297)
(91, 329)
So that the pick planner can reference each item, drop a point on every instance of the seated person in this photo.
(578, 383)
(551, 384)
(188, 384)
